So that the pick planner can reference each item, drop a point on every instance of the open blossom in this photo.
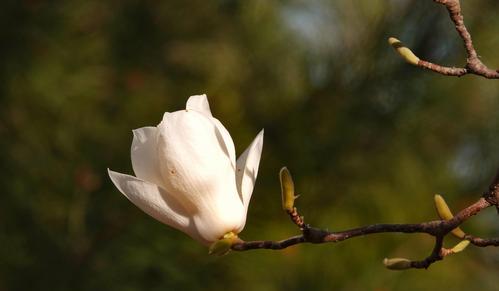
(187, 175)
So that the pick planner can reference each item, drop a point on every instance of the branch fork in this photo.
(473, 63)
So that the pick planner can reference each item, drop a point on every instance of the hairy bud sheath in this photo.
(397, 263)
(403, 51)
(444, 212)
(460, 246)
(287, 189)
(223, 245)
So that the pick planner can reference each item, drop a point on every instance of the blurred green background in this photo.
(367, 137)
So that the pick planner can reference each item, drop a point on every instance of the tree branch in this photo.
(473, 64)
(436, 228)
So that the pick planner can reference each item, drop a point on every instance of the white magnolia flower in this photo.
(187, 173)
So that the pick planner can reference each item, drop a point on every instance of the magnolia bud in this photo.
(287, 189)
(444, 212)
(403, 51)
(223, 245)
(397, 263)
(460, 246)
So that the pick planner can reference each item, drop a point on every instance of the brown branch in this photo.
(268, 244)
(436, 228)
(492, 196)
(296, 218)
(436, 255)
(493, 192)
(473, 64)
(482, 242)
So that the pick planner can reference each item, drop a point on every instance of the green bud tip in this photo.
(287, 189)
(460, 246)
(223, 245)
(445, 213)
(397, 263)
(403, 51)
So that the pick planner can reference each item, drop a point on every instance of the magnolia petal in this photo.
(199, 103)
(195, 167)
(226, 142)
(247, 168)
(220, 218)
(192, 159)
(154, 201)
(144, 155)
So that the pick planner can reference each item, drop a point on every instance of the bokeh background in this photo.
(367, 137)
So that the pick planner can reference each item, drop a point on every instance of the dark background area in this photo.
(367, 137)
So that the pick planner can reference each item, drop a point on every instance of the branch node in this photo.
(314, 235)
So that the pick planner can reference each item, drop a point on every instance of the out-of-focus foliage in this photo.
(367, 138)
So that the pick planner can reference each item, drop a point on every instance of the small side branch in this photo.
(473, 63)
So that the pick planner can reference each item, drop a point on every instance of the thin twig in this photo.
(267, 244)
(473, 63)
(482, 242)
(296, 218)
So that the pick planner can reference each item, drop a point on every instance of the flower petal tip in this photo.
(259, 138)
(199, 103)
(112, 174)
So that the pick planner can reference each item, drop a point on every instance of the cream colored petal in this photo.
(199, 103)
(195, 165)
(247, 168)
(154, 201)
(226, 142)
(192, 157)
(145, 155)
